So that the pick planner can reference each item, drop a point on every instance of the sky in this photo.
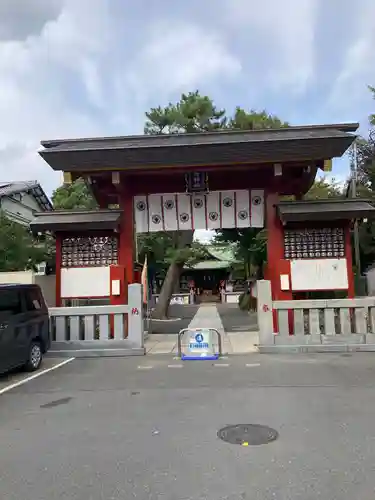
(94, 67)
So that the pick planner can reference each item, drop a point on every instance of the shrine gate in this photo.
(213, 180)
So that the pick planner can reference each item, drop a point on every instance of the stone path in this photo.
(207, 316)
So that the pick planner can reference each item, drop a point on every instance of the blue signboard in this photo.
(200, 345)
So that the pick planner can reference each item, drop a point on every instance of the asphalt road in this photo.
(146, 428)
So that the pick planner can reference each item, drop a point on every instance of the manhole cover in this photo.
(248, 434)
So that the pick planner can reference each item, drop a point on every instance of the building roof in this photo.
(211, 265)
(75, 221)
(31, 187)
(318, 210)
(314, 142)
(223, 258)
(222, 253)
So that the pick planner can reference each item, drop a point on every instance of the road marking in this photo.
(249, 365)
(221, 364)
(175, 366)
(36, 375)
(144, 367)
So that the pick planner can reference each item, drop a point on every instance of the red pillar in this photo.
(349, 262)
(58, 240)
(127, 246)
(275, 253)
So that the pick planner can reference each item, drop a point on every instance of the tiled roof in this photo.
(32, 187)
(80, 219)
(317, 142)
(318, 210)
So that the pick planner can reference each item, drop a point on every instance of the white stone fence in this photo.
(315, 325)
(102, 327)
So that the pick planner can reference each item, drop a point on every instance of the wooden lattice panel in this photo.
(89, 251)
(314, 243)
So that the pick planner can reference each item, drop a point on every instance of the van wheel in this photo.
(34, 359)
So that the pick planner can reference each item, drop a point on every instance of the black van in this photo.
(24, 327)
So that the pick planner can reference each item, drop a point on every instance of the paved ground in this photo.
(233, 343)
(235, 320)
(17, 376)
(180, 317)
(145, 428)
(237, 328)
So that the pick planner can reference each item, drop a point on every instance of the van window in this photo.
(10, 302)
(32, 299)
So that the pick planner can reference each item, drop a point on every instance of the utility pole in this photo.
(354, 176)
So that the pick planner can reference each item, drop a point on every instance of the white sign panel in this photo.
(80, 282)
(319, 274)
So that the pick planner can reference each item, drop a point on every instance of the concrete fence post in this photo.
(264, 309)
(135, 315)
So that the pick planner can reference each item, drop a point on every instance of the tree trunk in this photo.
(182, 239)
(166, 292)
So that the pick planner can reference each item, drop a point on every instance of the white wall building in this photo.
(20, 200)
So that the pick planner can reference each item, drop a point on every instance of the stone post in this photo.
(265, 316)
(135, 305)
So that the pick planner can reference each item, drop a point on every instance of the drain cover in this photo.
(248, 434)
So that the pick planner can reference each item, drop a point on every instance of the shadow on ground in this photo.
(180, 317)
(235, 320)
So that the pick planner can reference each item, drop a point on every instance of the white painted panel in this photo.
(242, 208)
(170, 212)
(228, 219)
(257, 208)
(319, 274)
(284, 282)
(199, 211)
(232, 299)
(141, 214)
(155, 213)
(184, 212)
(82, 282)
(213, 210)
(18, 277)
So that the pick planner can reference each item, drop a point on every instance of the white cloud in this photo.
(358, 68)
(283, 35)
(20, 19)
(92, 78)
(93, 67)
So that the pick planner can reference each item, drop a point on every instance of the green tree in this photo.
(198, 113)
(19, 251)
(323, 189)
(251, 244)
(254, 120)
(73, 196)
(372, 116)
(193, 113)
(366, 189)
(364, 180)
